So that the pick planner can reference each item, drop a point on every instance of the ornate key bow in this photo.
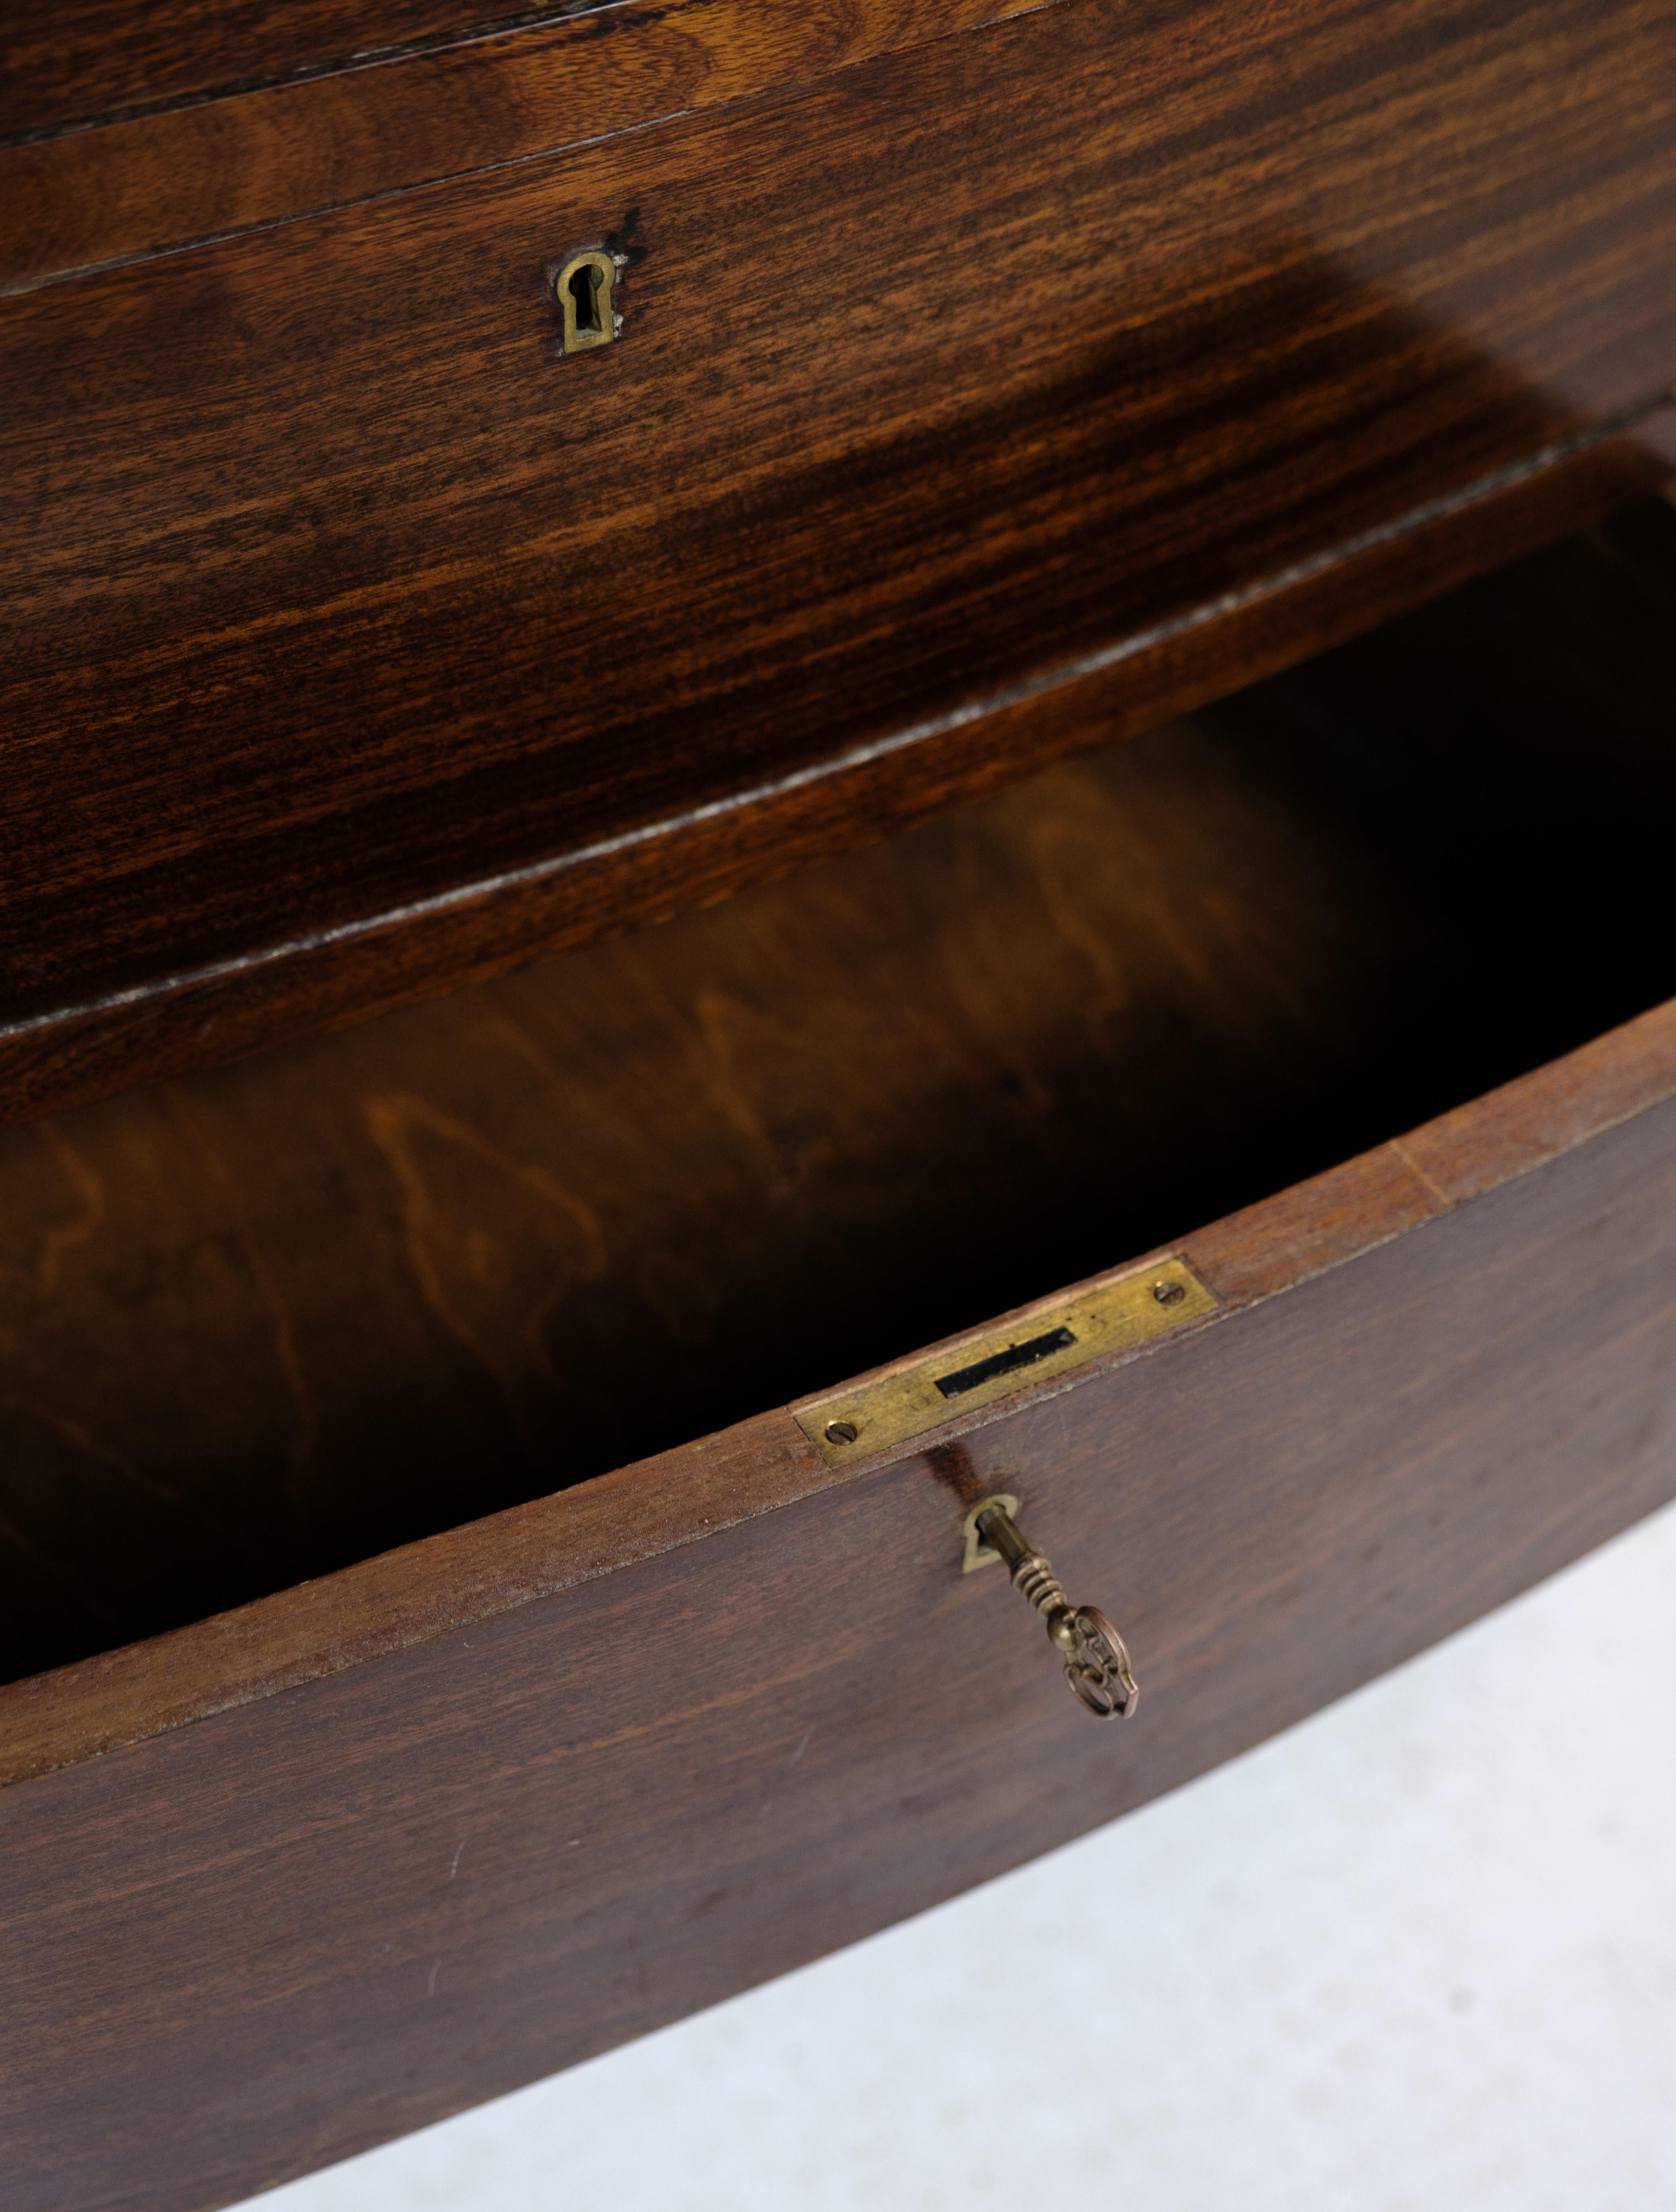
(1096, 1662)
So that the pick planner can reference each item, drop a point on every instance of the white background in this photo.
(1419, 1955)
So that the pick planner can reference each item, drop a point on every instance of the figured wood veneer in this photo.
(70, 71)
(356, 648)
(265, 1323)
(309, 137)
(532, 1789)
(289, 1880)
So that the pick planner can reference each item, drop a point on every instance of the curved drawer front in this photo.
(303, 1874)
(296, 1876)
(477, 1810)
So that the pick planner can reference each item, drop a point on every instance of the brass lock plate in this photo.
(1045, 1342)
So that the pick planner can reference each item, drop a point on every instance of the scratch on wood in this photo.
(1415, 1168)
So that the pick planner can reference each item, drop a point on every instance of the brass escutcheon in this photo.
(583, 287)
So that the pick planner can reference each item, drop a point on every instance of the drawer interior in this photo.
(264, 1322)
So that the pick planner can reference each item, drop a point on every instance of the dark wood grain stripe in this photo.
(156, 183)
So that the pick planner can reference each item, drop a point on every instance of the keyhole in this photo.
(584, 293)
(583, 287)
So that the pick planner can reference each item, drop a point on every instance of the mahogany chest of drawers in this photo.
(696, 696)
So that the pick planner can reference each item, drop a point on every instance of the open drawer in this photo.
(992, 375)
(1363, 968)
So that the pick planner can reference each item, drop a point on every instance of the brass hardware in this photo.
(980, 1553)
(1040, 1345)
(583, 287)
(1096, 1663)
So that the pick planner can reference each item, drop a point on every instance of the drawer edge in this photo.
(73, 1053)
(510, 1560)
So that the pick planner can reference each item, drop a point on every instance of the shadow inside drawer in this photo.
(272, 1319)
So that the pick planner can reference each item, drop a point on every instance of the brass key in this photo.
(1096, 1663)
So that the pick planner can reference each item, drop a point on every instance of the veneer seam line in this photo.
(140, 111)
(142, 256)
(366, 57)
(790, 88)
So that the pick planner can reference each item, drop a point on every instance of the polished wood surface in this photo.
(68, 66)
(356, 648)
(85, 198)
(268, 1321)
(659, 1738)
(265, 1323)
(434, 1664)
(74, 1055)
(283, 1882)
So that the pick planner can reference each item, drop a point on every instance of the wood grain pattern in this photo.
(166, 179)
(417, 1592)
(216, 1017)
(268, 1940)
(270, 1320)
(356, 647)
(287, 1881)
(266, 1322)
(66, 67)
